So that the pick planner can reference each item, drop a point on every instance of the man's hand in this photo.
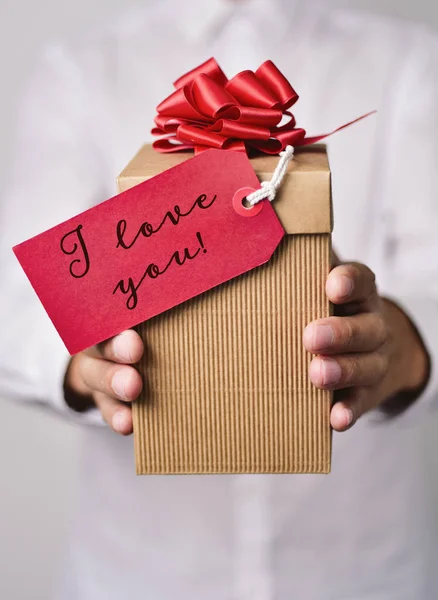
(100, 376)
(370, 353)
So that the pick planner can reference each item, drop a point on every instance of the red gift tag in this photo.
(150, 248)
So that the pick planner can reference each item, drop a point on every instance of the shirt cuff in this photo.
(423, 313)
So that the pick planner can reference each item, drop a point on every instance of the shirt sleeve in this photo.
(57, 172)
(411, 191)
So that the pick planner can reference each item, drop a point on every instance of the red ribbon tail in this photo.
(317, 138)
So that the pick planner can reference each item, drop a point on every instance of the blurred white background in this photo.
(38, 452)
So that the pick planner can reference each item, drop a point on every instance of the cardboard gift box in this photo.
(226, 387)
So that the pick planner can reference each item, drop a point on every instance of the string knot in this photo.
(269, 189)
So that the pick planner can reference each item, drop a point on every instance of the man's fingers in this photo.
(354, 404)
(341, 417)
(342, 335)
(117, 415)
(105, 372)
(352, 282)
(347, 371)
(120, 382)
(125, 348)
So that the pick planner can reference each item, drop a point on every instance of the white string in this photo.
(269, 188)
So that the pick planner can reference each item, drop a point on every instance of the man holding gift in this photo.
(365, 531)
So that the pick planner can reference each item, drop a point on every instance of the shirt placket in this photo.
(253, 575)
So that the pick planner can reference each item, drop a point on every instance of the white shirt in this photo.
(367, 531)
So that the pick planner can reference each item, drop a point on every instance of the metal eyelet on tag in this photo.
(240, 209)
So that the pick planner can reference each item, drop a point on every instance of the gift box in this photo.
(220, 299)
(226, 386)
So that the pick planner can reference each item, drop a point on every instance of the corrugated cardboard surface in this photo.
(226, 382)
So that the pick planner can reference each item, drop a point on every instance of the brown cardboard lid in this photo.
(303, 203)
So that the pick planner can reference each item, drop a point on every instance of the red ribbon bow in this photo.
(207, 110)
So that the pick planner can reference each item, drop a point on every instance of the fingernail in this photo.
(345, 286)
(349, 416)
(121, 348)
(318, 337)
(119, 421)
(118, 384)
(330, 371)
